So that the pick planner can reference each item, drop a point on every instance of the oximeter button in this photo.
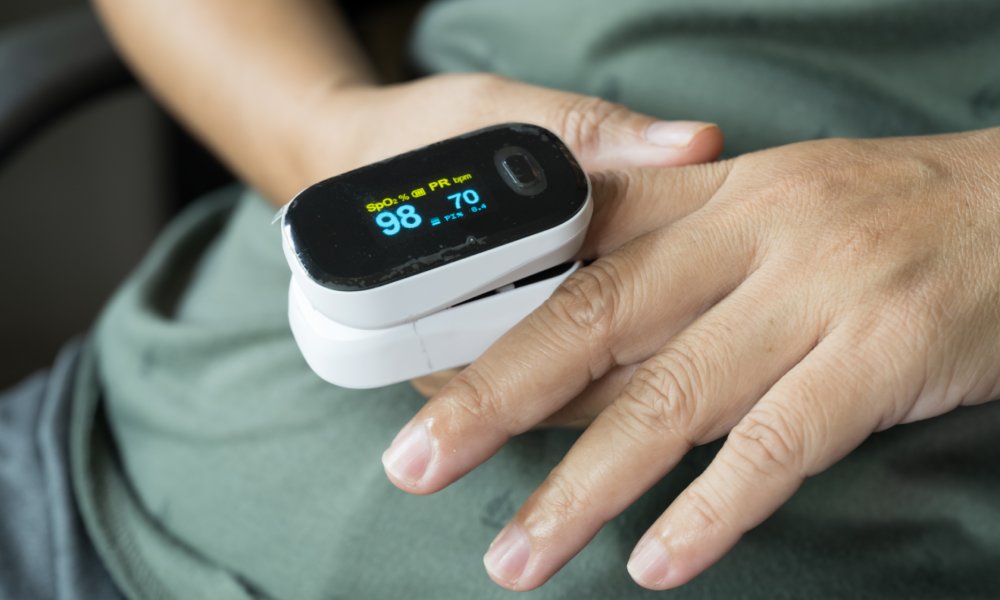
(520, 170)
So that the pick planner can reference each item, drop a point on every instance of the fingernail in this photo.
(508, 555)
(648, 564)
(674, 134)
(409, 455)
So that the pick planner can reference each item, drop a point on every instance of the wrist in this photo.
(325, 134)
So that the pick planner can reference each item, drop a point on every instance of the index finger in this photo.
(631, 203)
(600, 318)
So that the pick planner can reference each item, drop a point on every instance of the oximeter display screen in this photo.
(441, 202)
(421, 210)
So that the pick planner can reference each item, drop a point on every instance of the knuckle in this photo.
(587, 300)
(788, 177)
(579, 120)
(708, 512)
(916, 173)
(766, 445)
(562, 499)
(658, 399)
(805, 182)
(472, 396)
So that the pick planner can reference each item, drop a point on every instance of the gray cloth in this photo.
(44, 551)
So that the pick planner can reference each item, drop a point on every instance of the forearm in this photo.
(244, 75)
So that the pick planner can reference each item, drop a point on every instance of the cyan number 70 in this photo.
(469, 196)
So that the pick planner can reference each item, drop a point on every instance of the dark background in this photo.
(80, 202)
(84, 196)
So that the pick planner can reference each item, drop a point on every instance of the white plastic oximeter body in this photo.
(418, 263)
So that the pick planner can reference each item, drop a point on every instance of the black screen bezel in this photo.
(344, 254)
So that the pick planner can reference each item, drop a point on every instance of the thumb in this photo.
(605, 135)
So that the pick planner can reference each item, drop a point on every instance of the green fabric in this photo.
(233, 468)
(768, 71)
(210, 462)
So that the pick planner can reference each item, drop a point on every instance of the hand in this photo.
(365, 123)
(814, 294)
(379, 122)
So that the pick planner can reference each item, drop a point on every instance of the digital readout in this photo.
(436, 204)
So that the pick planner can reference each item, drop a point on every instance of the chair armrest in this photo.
(50, 66)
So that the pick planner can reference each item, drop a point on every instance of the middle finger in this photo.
(695, 389)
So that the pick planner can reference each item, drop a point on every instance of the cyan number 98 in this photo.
(404, 217)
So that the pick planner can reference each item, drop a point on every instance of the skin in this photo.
(817, 293)
(884, 253)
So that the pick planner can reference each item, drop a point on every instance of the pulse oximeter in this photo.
(418, 263)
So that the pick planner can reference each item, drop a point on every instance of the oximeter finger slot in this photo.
(368, 358)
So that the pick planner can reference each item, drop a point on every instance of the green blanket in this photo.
(209, 462)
